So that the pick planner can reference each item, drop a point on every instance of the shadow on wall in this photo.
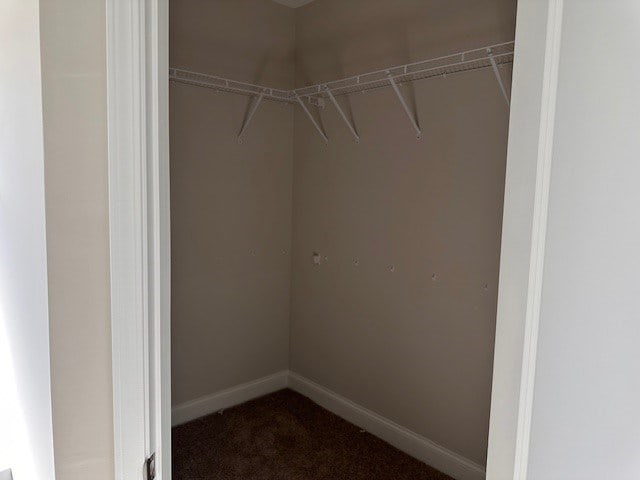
(15, 448)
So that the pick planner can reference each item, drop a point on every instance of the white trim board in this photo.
(400, 437)
(137, 95)
(126, 92)
(230, 397)
(528, 174)
(539, 235)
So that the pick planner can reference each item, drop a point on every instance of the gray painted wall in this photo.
(230, 202)
(416, 350)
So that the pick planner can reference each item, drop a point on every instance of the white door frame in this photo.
(137, 55)
(137, 92)
(524, 228)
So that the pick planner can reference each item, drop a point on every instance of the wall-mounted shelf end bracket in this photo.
(252, 112)
(406, 108)
(496, 72)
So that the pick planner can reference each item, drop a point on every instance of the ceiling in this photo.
(293, 3)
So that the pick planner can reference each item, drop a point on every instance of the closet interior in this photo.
(337, 181)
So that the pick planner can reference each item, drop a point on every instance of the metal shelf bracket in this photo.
(496, 72)
(313, 120)
(403, 102)
(343, 115)
(252, 112)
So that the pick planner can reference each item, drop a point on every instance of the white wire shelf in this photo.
(492, 56)
(475, 59)
(227, 85)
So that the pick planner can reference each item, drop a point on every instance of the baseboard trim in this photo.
(230, 397)
(400, 437)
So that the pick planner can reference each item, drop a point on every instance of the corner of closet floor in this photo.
(229, 397)
(425, 450)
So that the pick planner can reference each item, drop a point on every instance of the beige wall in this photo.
(75, 116)
(230, 202)
(413, 349)
(247, 40)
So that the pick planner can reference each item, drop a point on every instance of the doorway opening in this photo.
(337, 181)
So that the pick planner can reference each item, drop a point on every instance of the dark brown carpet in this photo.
(285, 436)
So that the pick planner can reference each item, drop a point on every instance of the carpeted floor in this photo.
(285, 436)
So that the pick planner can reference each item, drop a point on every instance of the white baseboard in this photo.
(230, 397)
(400, 437)
(417, 446)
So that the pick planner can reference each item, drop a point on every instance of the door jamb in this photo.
(528, 176)
(137, 92)
(137, 96)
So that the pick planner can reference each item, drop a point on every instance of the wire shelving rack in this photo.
(490, 57)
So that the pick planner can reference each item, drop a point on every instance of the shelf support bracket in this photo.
(313, 120)
(252, 112)
(416, 127)
(343, 115)
(496, 72)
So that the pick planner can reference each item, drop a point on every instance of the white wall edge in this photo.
(537, 50)
(538, 236)
(400, 437)
(229, 397)
(159, 233)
